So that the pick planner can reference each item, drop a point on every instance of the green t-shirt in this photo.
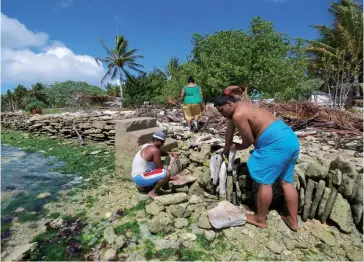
(192, 95)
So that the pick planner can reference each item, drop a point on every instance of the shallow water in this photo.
(25, 175)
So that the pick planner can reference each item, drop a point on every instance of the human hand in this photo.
(173, 178)
(237, 146)
(174, 154)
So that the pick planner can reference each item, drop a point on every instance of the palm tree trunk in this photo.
(121, 94)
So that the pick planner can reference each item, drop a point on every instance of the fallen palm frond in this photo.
(306, 112)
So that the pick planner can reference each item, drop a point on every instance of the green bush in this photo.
(35, 104)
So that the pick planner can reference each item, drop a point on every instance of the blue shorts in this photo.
(275, 154)
(149, 178)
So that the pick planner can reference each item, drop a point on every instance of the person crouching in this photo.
(147, 168)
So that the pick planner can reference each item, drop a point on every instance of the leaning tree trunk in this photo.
(121, 94)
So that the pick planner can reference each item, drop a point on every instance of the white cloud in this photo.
(54, 61)
(16, 35)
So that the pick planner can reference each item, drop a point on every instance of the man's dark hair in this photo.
(190, 79)
(221, 100)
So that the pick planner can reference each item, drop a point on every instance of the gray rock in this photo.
(180, 211)
(316, 171)
(210, 235)
(180, 222)
(337, 177)
(109, 235)
(301, 176)
(318, 195)
(175, 166)
(302, 198)
(354, 254)
(201, 156)
(154, 208)
(357, 213)
(349, 175)
(323, 201)
(184, 160)
(189, 237)
(181, 189)
(290, 245)
(341, 214)
(325, 236)
(195, 199)
(172, 199)
(120, 242)
(357, 195)
(226, 215)
(19, 252)
(196, 189)
(196, 230)
(308, 199)
(161, 223)
(203, 178)
(329, 205)
(183, 180)
(274, 247)
(203, 221)
(109, 255)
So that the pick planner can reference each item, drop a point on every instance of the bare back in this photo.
(251, 121)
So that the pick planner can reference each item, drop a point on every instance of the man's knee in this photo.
(168, 174)
(285, 183)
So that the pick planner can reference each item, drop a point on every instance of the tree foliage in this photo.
(120, 61)
(68, 93)
(262, 58)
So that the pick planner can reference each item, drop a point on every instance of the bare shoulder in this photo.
(241, 111)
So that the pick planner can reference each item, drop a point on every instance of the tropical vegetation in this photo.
(269, 62)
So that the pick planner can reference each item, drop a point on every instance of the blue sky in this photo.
(56, 40)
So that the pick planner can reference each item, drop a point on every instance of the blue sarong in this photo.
(275, 154)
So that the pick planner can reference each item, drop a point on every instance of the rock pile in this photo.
(96, 126)
(328, 189)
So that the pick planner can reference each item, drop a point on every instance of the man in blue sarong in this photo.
(274, 157)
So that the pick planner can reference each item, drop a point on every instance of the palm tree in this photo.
(171, 68)
(38, 92)
(342, 42)
(119, 60)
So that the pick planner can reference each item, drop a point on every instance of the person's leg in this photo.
(264, 199)
(290, 195)
(291, 198)
(159, 184)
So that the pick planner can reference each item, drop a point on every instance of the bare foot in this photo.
(152, 194)
(292, 225)
(253, 219)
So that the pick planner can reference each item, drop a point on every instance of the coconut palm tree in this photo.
(171, 68)
(341, 41)
(119, 61)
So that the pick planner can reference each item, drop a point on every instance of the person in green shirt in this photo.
(192, 99)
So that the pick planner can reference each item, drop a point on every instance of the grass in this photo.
(132, 212)
(149, 251)
(203, 242)
(76, 158)
(131, 226)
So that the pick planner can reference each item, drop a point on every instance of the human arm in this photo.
(157, 159)
(201, 94)
(229, 134)
(165, 153)
(182, 95)
(241, 122)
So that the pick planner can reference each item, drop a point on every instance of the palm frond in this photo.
(109, 51)
(108, 73)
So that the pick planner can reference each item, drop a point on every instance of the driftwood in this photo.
(78, 134)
